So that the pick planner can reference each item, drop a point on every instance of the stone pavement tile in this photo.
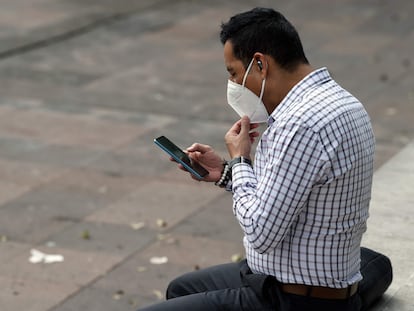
(162, 82)
(67, 129)
(184, 250)
(50, 207)
(393, 105)
(103, 238)
(76, 61)
(402, 301)
(34, 295)
(395, 18)
(392, 112)
(77, 269)
(162, 200)
(57, 156)
(397, 249)
(185, 253)
(96, 299)
(9, 191)
(19, 223)
(126, 163)
(391, 222)
(215, 221)
(127, 287)
(41, 286)
(46, 76)
(26, 173)
(135, 159)
(10, 249)
(137, 282)
(46, 19)
(148, 121)
(368, 44)
(362, 64)
(142, 158)
(73, 63)
(103, 188)
(40, 16)
(317, 31)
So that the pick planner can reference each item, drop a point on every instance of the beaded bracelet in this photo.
(225, 176)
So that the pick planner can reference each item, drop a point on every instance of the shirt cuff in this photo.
(242, 175)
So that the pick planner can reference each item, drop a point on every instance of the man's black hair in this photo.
(266, 31)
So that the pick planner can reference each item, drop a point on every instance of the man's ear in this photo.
(262, 64)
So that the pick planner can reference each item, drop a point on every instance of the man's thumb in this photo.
(245, 124)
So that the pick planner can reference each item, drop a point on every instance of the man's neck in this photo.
(284, 81)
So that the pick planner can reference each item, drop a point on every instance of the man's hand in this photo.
(240, 137)
(208, 158)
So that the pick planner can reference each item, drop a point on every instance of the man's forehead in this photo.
(228, 50)
(230, 60)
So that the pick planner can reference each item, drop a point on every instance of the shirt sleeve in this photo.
(267, 207)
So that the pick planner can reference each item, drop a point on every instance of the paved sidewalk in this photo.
(390, 226)
(86, 85)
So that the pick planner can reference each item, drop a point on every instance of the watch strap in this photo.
(239, 160)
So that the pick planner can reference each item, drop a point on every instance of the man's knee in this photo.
(174, 289)
(377, 273)
(374, 263)
(180, 286)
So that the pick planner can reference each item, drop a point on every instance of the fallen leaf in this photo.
(161, 223)
(86, 235)
(38, 257)
(157, 294)
(142, 269)
(52, 258)
(133, 302)
(159, 260)
(137, 225)
(118, 295)
(236, 257)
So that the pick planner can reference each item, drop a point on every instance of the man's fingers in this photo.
(235, 129)
(254, 134)
(245, 126)
(199, 147)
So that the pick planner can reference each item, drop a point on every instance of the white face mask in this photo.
(245, 102)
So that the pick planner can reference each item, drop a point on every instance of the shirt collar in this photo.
(315, 78)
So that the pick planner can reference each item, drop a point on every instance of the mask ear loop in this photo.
(247, 72)
(260, 102)
(262, 90)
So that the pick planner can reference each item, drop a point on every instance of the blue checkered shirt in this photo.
(304, 205)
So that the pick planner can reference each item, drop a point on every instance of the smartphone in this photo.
(181, 157)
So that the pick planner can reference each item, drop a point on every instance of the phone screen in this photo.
(181, 157)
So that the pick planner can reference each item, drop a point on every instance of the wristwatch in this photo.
(239, 160)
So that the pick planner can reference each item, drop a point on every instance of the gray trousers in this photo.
(232, 287)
